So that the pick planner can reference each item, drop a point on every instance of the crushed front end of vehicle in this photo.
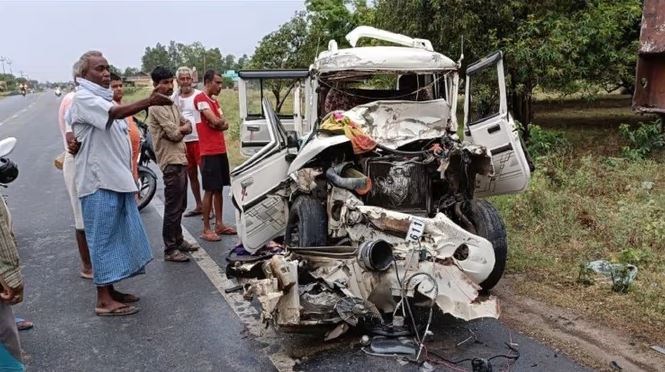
(369, 238)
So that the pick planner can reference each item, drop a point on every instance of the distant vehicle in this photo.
(58, 92)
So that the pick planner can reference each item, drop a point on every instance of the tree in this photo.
(241, 63)
(553, 44)
(333, 19)
(153, 57)
(286, 48)
(214, 60)
(229, 62)
(131, 71)
(10, 80)
(192, 55)
(115, 70)
(175, 58)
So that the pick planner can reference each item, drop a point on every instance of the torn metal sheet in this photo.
(396, 123)
(379, 58)
(441, 236)
(305, 178)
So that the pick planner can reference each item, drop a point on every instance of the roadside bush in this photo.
(128, 91)
(643, 140)
(545, 142)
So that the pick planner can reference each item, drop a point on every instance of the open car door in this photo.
(258, 187)
(488, 123)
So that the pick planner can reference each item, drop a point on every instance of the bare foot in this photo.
(124, 298)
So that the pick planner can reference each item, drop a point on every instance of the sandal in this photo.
(226, 230)
(120, 311)
(85, 275)
(192, 213)
(176, 256)
(210, 236)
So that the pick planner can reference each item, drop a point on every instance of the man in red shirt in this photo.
(214, 162)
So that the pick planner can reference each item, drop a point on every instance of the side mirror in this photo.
(292, 139)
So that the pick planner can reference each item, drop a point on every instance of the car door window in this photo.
(484, 95)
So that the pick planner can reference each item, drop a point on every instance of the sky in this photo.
(44, 38)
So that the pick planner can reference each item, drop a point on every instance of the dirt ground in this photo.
(599, 346)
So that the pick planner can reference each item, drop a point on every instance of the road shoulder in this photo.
(595, 345)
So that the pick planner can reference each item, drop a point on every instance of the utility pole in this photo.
(3, 59)
(9, 62)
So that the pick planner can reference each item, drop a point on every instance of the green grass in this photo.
(586, 203)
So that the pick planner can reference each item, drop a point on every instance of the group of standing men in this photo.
(104, 142)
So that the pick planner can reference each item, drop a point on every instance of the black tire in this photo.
(308, 223)
(147, 188)
(489, 225)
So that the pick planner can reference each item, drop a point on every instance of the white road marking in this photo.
(246, 313)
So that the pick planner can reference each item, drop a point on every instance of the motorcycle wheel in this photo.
(147, 188)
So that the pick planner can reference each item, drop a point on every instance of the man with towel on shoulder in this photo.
(117, 240)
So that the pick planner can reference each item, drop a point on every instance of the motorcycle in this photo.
(8, 170)
(58, 92)
(147, 182)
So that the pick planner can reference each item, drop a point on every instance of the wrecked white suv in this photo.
(370, 190)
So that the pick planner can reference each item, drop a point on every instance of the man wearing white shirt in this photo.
(69, 172)
(184, 100)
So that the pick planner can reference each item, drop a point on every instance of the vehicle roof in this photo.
(273, 74)
(408, 55)
(382, 58)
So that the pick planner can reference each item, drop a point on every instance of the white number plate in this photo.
(416, 229)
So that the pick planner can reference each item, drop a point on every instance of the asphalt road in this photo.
(186, 322)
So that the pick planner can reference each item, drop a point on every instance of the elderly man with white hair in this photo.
(184, 100)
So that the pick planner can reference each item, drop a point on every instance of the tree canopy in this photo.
(565, 45)
(177, 54)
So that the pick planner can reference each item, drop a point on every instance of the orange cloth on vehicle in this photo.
(337, 123)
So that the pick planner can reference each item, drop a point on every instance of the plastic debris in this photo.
(393, 346)
(621, 275)
(426, 367)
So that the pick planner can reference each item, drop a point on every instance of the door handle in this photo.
(494, 128)
(253, 128)
(246, 182)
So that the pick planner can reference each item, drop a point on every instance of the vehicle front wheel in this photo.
(308, 223)
(489, 225)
